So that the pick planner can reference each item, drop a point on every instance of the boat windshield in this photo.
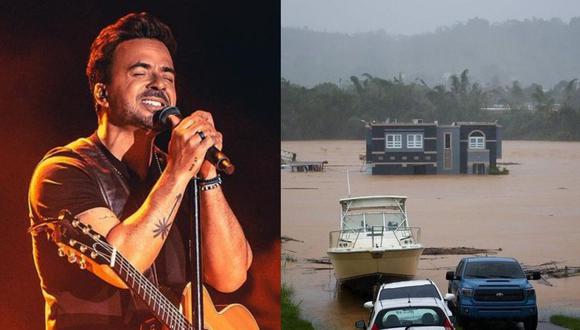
(365, 221)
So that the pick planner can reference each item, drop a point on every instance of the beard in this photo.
(134, 115)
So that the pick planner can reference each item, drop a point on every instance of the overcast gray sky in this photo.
(414, 16)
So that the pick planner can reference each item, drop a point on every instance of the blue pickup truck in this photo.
(493, 288)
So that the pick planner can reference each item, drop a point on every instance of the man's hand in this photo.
(186, 151)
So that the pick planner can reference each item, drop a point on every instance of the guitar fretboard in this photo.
(159, 305)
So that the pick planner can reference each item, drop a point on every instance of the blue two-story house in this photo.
(430, 148)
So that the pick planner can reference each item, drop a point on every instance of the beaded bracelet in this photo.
(211, 183)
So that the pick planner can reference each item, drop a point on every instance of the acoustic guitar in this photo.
(80, 244)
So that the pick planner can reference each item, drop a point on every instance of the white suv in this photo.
(409, 304)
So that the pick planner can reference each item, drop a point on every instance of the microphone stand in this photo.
(223, 163)
(195, 255)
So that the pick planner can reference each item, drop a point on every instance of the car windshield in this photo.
(410, 316)
(504, 269)
(419, 291)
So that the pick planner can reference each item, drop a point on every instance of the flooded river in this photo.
(532, 214)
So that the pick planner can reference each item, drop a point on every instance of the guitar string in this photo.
(165, 313)
(151, 290)
(148, 283)
(173, 316)
(129, 272)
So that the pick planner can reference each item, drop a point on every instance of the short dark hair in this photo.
(131, 26)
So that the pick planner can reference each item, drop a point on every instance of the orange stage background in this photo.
(228, 62)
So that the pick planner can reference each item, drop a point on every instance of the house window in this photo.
(415, 141)
(447, 140)
(476, 140)
(394, 141)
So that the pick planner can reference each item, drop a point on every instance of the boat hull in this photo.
(359, 265)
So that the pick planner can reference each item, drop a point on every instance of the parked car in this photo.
(409, 304)
(493, 288)
(408, 313)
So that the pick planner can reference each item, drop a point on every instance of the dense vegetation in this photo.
(330, 111)
(567, 322)
(532, 50)
(291, 312)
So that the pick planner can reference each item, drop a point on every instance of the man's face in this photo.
(142, 82)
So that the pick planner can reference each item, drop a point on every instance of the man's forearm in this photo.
(226, 252)
(140, 237)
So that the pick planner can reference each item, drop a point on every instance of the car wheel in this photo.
(453, 320)
(463, 322)
(531, 323)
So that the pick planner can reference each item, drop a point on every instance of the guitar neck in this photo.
(158, 304)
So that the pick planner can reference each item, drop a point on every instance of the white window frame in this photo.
(395, 143)
(415, 141)
(477, 142)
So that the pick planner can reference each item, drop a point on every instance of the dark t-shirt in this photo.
(77, 298)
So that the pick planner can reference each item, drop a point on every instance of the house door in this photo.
(447, 153)
(478, 168)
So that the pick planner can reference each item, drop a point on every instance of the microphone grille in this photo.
(161, 118)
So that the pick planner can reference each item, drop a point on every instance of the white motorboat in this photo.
(375, 242)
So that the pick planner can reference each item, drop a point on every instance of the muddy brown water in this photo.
(532, 214)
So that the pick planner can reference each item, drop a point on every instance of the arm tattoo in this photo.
(162, 227)
(193, 165)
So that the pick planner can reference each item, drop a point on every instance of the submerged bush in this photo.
(498, 171)
(291, 312)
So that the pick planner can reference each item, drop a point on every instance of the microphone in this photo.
(213, 155)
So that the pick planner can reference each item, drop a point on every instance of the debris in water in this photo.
(553, 270)
(458, 251)
(323, 260)
(289, 258)
(284, 239)
(320, 268)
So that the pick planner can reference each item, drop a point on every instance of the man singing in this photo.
(129, 191)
